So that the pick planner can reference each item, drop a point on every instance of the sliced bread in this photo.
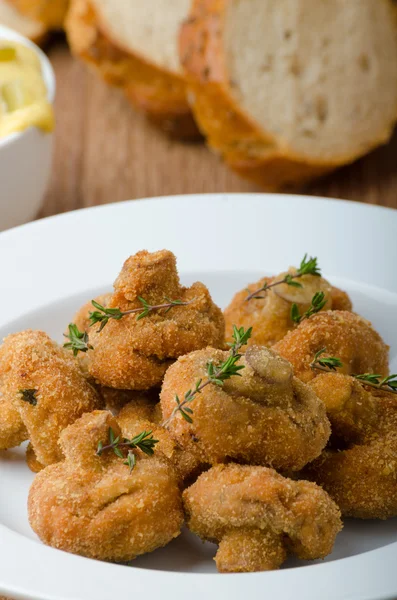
(288, 90)
(134, 45)
(11, 17)
(49, 12)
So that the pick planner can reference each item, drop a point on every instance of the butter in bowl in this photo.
(27, 90)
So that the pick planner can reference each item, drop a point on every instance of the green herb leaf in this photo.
(317, 304)
(309, 267)
(78, 340)
(29, 396)
(330, 362)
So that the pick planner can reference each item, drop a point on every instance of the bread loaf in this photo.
(288, 90)
(50, 13)
(11, 17)
(134, 45)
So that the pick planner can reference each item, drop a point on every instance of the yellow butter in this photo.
(23, 93)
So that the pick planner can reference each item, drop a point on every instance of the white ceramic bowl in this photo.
(25, 157)
(46, 285)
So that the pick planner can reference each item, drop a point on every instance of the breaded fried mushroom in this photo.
(95, 506)
(140, 415)
(258, 517)
(266, 416)
(134, 354)
(12, 429)
(45, 385)
(351, 408)
(360, 475)
(115, 400)
(269, 313)
(343, 334)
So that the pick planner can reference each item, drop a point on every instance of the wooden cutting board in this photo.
(106, 152)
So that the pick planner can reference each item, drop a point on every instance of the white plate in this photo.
(50, 267)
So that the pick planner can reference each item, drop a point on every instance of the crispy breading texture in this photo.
(30, 360)
(135, 354)
(257, 517)
(266, 416)
(12, 429)
(94, 506)
(351, 409)
(362, 479)
(145, 402)
(269, 313)
(344, 334)
(31, 460)
(140, 415)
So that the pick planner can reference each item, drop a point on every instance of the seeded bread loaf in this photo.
(290, 90)
(134, 45)
(11, 17)
(50, 13)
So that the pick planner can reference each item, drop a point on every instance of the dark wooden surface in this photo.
(106, 152)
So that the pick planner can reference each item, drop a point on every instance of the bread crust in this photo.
(243, 143)
(50, 13)
(159, 93)
(38, 32)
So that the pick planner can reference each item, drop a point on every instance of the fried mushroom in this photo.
(266, 416)
(94, 506)
(361, 474)
(43, 383)
(269, 313)
(258, 517)
(134, 354)
(343, 334)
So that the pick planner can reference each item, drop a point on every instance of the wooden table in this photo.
(106, 152)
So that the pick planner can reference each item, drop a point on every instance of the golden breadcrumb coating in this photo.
(345, 335)
(31, 460)
(12, 429)
(340, 300)
(30, 360)
(362, 479)
(94, 506)
(132, 354)
(258, 516)
(270, 316)
(265, 417)
(115, 400)
(351, 409)
(140, 415)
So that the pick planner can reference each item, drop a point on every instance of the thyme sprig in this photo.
(29, 396)
(78, 340)
(308, 266)
(331, 363)
(318, 302)
(216, 374)
(102, 315)
(144, 441)
(388, 384)
(323, 363)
